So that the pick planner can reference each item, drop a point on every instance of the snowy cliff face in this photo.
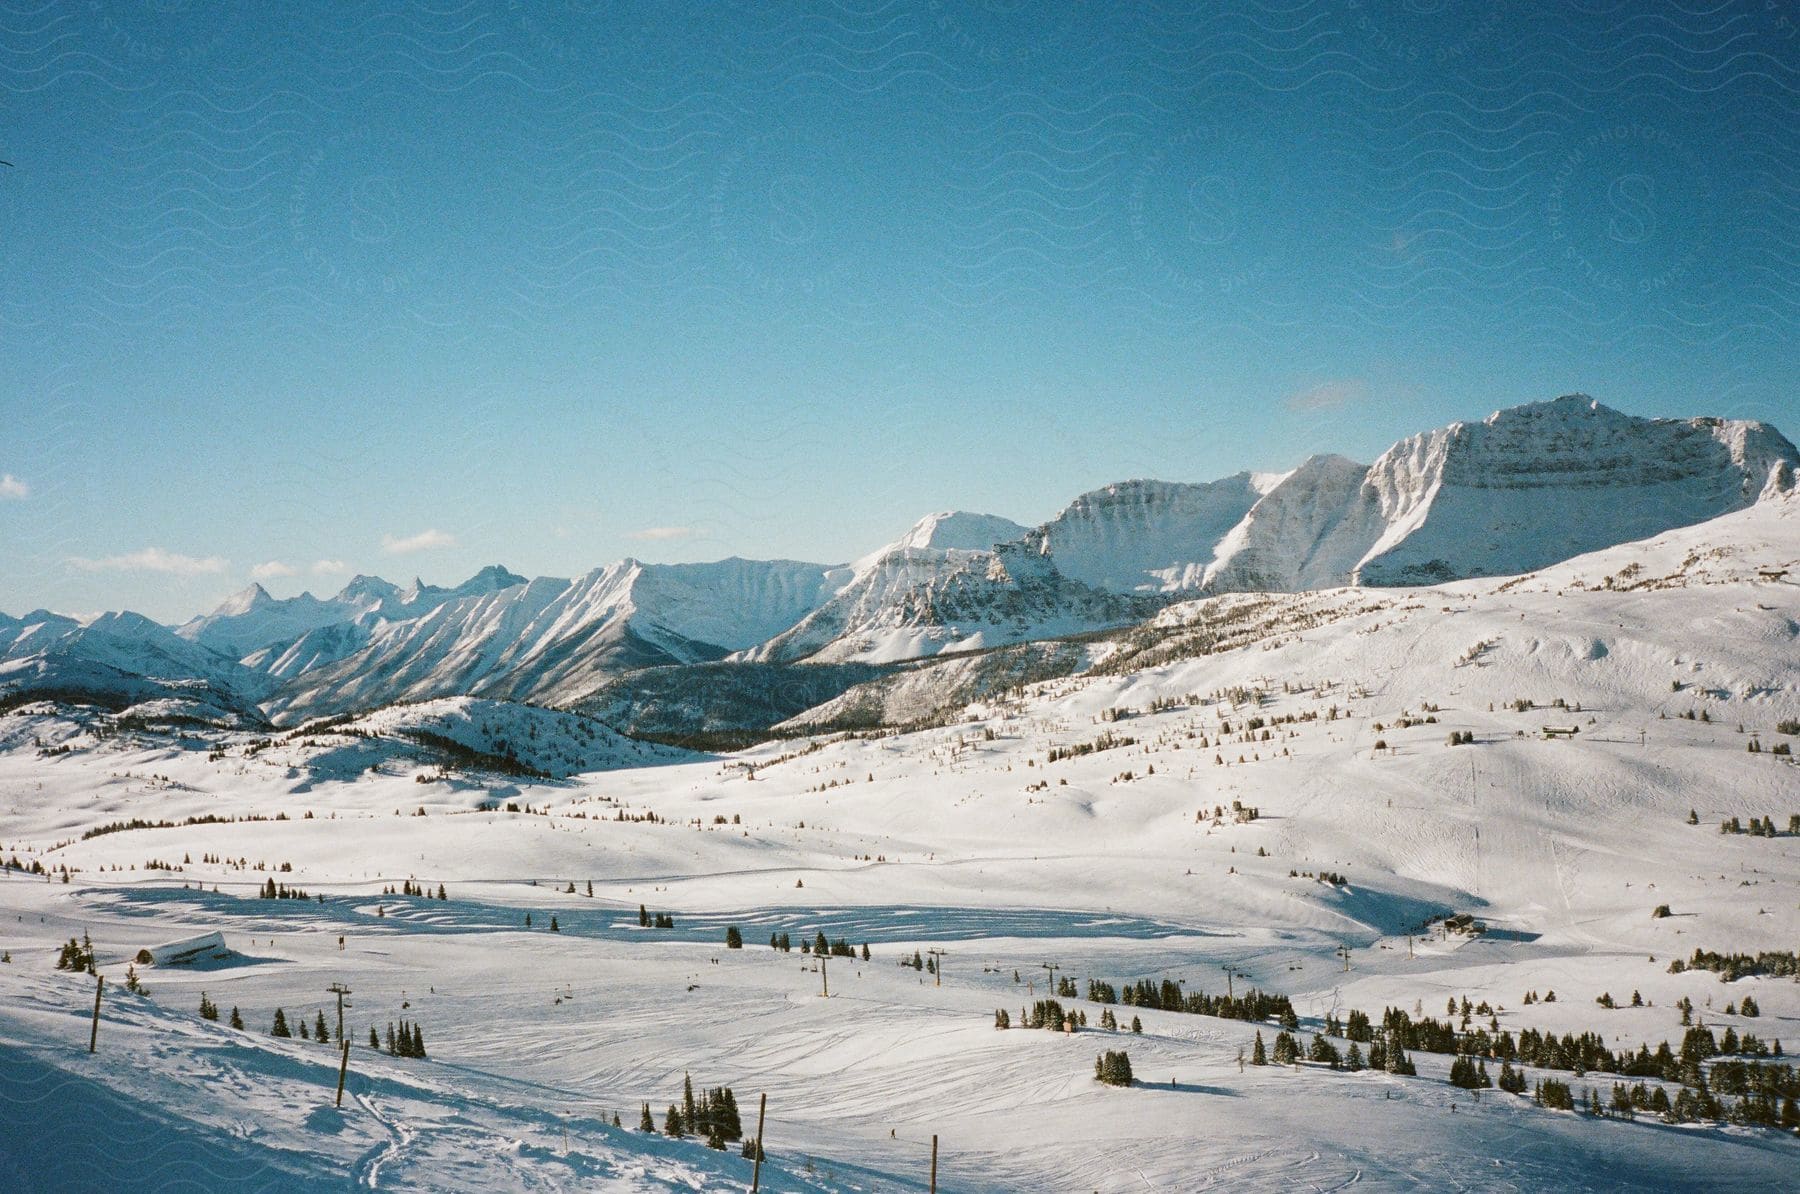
(928, 593)
(1537, 484)
(1147, 535)
(1308, 532)
(1523, 489)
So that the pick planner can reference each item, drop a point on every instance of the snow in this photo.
(944, 838)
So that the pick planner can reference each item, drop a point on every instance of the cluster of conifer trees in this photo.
(1731, 967)
(77, 956)
(1168, 996)
(408, 1041)
(409, 888)
(1113, 1067)
(712, 1116)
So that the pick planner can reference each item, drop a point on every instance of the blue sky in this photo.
(408, 290)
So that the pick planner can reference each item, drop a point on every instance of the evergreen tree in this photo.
(208, 1009)
(1286, 1051)
(305, 1033)
(733, 938)
(554, 927)
(1137, 1026)
(374, 1040)
(320, 1032)
(646, 1124)
(1259, 1056)
(672, 1121)
(734, 1126)
(237, 1021)
(643, 917)
(687, 1098)
(281, 1024)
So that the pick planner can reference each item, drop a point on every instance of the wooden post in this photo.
(934, 1163)
(824, 981)
(94, 1036)
(756, 1170)
(343, 1068)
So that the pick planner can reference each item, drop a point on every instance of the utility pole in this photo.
(1343, 951)
(340, 990)
(934, 1163)
(344, 1068)
(937, 956)
(824, 980)
(1409, 953)
(1229, 971)
(94, 1036)
(1052, 967)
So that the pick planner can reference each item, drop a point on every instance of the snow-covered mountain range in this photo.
(1523, 489)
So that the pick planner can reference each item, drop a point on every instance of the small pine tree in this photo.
(554, 927)
(208, 1009)
(1137, 1025)
(237, 1020)
(281, 1024)
(645, 1122)
(320, 1032)
(733, 938)
(1258, 1055)
(374, 1038)
(672, 1124)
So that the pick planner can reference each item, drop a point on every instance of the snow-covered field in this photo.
(1328, 713)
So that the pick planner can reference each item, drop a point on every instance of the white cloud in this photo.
(273, 570)
(423, 541)
(658, 534)
(12, 489)
(329, 567)
(1328, 395)
(151, 559)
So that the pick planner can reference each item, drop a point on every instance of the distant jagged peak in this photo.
(364, 588)
(490, 579)
(243, 602)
